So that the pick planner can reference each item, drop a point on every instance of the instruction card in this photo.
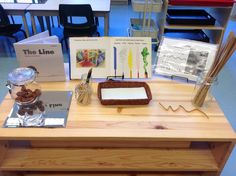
(110, 56)
(185, 58)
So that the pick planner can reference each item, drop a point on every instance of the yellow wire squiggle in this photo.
(180, 106)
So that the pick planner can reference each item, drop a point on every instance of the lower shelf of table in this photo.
(130, 159)
(113, 158)
(110, 174)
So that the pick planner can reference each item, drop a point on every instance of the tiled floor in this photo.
(224, 91)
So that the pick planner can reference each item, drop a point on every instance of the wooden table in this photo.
(134, 140)
(51, 8)
(17, 9)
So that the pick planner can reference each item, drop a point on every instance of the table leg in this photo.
(33, 24)
(48, 24)
(106, 24)
(25, 25)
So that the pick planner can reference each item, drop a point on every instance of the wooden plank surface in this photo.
(73, 174)
(114, 174)
(3, 150)
(96, 121)
(45, 159)
(108, 144)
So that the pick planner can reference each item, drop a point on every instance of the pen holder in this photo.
(83, 91)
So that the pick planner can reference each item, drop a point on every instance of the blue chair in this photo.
(8, 29)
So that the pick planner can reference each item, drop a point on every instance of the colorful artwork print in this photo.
(145, 53)
(90, 58)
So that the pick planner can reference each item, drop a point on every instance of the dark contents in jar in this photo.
(29, 96)
(29, 109)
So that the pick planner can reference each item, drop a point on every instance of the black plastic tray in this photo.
(197, 34)
(189, 17)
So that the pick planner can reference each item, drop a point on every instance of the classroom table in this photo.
(122, 140)
(51, 7)
(17, 9)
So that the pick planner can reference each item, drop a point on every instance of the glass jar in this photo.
(202, 90)
(83, 91)
(26, 92)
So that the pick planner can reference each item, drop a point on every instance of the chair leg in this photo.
(14, 37)
(67, 48)
(61, 41)
(66, 44)
(24, 33)
(12, 19)
(96, 21)
(58, 22)
(52, 21)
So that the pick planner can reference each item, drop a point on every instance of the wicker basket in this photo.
(124, 84)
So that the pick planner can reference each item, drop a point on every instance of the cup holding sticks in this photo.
(223, 55)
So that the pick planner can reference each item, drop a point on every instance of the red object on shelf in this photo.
(202, 2)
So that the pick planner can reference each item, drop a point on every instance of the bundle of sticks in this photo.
(83, 91)
(223, 55)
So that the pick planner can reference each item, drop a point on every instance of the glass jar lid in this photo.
(22, 76)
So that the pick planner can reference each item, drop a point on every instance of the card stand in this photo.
(124, 84)
(179, 77)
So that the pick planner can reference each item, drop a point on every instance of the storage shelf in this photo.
(60, 159)
(110, 174)
(214, 32)
(200, 7)
(209, 27)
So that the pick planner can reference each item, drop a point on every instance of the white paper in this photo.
(133, 93)
(47, 40)
(185, 58)
(12, 122)
(54, 122)
(47, 122)
(35, 37)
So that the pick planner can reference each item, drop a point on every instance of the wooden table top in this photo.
(138, 123)
(53, 5)
(11, 6)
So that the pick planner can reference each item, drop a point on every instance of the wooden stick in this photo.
(225, 45)
(222, 57)
(225, 57)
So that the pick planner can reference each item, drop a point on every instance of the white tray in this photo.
(151, 6)
(137, 29)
